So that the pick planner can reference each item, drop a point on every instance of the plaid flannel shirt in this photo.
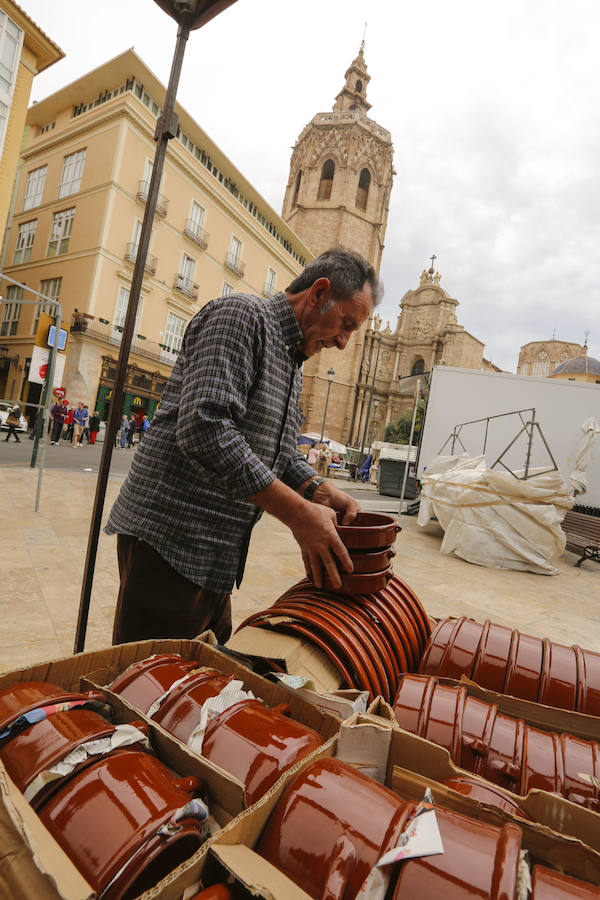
(226, 427)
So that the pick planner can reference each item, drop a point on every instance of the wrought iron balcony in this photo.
(235, 264)
(162, 204)
(186, 286)
(131, 255)
(196, 234)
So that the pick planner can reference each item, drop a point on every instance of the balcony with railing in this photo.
(131, 252)
(235, 264)
(196, 234)
(186, 286)
(162, 204)
(108, 333)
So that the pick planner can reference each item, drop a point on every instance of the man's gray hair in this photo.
(347, 271)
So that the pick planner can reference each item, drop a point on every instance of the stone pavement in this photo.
(42, 557)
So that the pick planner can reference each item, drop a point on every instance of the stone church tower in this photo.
(338, 194)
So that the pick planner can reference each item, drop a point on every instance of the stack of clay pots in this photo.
(374, 629)
(333, 824)
(113, 811)
(504, 660)
(250, 741)
(501, 748)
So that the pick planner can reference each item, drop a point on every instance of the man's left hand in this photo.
(328, 495)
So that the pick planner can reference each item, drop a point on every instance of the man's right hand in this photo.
(320, 544)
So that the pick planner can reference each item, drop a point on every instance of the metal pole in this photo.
(166, 128)
(44, 411)
(410, 440)
(364, 437)
(325, 413)
(529, 443)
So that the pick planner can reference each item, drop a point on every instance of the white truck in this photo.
(463, 402)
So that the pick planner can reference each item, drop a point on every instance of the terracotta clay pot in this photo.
(19, 699)
(257, 744)
(45, 743)
(369, 531)
(367, 561)
(216, 892)
(144, 682)
(362, 583)
(333, 823)
(180, 712)
(112, 809)
(503, 749)
(513, 663)
(485, 793)
(547, 884)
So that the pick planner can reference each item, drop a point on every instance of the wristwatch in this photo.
(310, 491)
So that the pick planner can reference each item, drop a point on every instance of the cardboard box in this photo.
(295, 655)
(563, 835)
(31, 862)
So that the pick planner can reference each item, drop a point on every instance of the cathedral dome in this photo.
(581, 365)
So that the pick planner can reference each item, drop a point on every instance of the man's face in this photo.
(330, 323)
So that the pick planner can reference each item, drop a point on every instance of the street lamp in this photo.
(373, 423)
(330, 377)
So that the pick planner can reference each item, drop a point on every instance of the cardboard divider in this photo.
(562, 835)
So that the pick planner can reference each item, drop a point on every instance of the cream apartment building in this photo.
(76, 226)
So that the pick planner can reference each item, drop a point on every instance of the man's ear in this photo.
(319, 292)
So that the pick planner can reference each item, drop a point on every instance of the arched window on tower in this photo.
(297, 188)
(362, 194)
(359, 86)
(418, 367)
(541, 365)
(326, 182)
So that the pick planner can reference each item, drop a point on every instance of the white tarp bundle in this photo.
(590, 439)
(492, 518)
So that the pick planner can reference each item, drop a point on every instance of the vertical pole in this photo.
(48, 394)
(364, 437)
(325, 413)
(529, 443)
(166, 128)
(410, 440)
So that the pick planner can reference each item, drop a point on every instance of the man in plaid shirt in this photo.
(222, 448)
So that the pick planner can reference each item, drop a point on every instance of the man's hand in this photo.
(328, 495)
(314, 530)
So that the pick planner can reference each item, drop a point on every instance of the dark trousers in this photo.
(57, 428)
(155, 601)
(11, 430)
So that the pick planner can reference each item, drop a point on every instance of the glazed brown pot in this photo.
(19, 699)
(546, 884)
(369, 531)
(144, 682)
(485, 793)
(216, 892)
(180, 712)
(367, 561)
(368, 583)
(509, 662)
(503, 749)
(45, 743)
(106, 819)
(333, 824)
(257, 744)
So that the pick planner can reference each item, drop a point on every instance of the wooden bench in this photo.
(583, 535)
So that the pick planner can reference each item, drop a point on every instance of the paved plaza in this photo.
(42, 556)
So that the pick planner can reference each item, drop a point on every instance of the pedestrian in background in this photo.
(94, 426)
(59, 414)
(13, 420)
(80, 420)
(124, 429)
(144, 426)
(69, 424)
(86, 427)
(131, 430)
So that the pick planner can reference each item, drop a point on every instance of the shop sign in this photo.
(39, 365)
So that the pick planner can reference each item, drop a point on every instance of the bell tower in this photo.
(338, 192)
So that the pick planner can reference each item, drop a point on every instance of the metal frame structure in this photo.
(529, 427)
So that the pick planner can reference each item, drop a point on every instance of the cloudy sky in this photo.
(494, 114)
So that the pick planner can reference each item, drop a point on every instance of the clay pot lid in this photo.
(22, 698)
(103, 814)
(369, 531)
(485, 793)
(547, 884)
